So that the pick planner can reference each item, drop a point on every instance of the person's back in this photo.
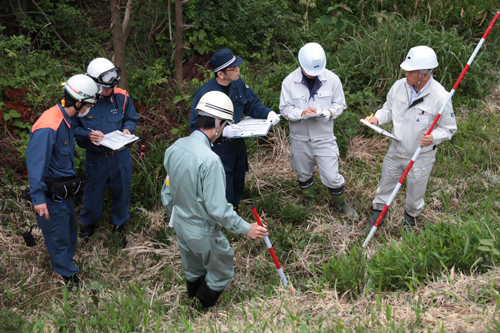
(191, 163)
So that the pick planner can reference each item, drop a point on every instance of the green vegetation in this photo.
(443, 277)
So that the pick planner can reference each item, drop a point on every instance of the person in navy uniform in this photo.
(232, 151)
(114, 111)
(50, 157)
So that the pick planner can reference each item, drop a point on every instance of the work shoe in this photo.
(86, 232)
(192, 286)
(338, 195)
(119, 232)
(206, 296)
(409, 222)
(308, 190)
(73, 281)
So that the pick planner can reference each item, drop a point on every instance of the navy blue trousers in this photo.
(233, 155)
(60, 234)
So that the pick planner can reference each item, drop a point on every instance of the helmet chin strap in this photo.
(421, 77)
(217, 129)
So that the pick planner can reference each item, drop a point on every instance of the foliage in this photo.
(413, 260)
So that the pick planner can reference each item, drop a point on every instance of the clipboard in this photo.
(379, 130)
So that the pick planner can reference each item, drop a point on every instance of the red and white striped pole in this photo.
(415, 156)
(270, 248)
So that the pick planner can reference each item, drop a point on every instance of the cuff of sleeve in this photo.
(245, 227)
(38, 199)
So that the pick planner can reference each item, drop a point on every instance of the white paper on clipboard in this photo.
(253, 127)
(378, 129)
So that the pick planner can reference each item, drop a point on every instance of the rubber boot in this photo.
(192, 286)
(206, 296)
(308, 189)
(119, 232)
(338, 195)
(409, 222)
(86, 232)
(374, 214)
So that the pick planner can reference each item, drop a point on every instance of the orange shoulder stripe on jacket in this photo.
(50, 118)
(122, 92)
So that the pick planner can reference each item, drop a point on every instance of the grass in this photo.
(437, 279)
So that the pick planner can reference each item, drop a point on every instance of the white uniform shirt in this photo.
(411, 121)
(296, 98)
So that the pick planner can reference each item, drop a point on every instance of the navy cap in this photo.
(223, 59)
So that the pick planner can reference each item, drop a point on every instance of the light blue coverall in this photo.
(107, 167)
(196, 188)
(50, 156)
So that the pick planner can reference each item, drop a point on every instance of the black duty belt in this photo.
(107, 153)
(224, 139)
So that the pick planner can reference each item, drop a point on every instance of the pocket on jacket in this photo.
(116, 120)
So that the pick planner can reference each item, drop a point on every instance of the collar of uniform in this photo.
(67, 118)
(298, 76)
(426, 90)
(202, 137)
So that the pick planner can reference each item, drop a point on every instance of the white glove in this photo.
(231, 131)
(273, 118)
(325, 116)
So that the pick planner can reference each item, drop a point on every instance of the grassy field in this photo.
(442, 278)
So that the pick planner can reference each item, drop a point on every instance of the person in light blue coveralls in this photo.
(194, 195)
(50, 157)
(232, 152)
(115, 111)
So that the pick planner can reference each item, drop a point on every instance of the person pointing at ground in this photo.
(412, 104)
(195, 194)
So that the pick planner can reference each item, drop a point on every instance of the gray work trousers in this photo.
(392, 170)
(305, 154)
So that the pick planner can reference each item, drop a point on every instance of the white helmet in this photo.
(216, 104)
(312, 59)
(104, 72)
(420, 57)
(80, 88)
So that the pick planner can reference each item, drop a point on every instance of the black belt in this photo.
(107, 153)
(224, 139)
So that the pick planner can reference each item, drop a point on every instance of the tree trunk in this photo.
(118, 42)
(178, 44)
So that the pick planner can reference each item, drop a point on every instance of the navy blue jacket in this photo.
(51, 151)
(245, 101)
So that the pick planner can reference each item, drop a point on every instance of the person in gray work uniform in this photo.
(412, 105)
(194, 194)
(313, 90)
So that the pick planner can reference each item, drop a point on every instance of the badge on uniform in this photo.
(422, 119)
(90, 116)
(65, 143)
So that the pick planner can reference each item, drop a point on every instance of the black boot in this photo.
(86, 232)
(73, 281)
(192, 286)
(409, 221)
(119, 231)
(207, 296)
